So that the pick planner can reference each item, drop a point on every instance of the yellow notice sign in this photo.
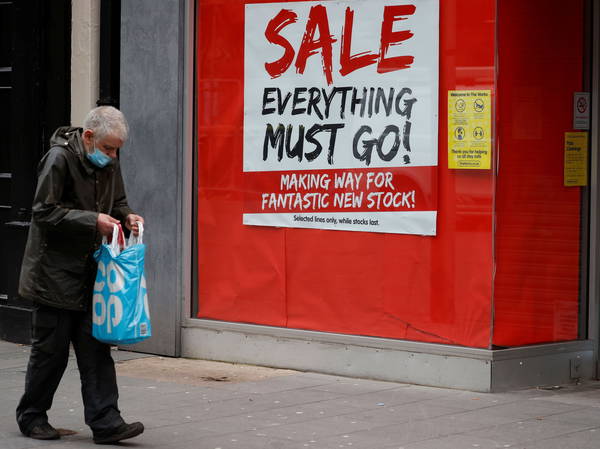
(576, 159)
(469, 129)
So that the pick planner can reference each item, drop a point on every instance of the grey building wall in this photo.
(152, 52)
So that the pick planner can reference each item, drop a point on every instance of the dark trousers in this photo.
(53, 331)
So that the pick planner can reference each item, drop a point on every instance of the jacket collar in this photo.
(72, 138)
(77, 142)
(87, 165)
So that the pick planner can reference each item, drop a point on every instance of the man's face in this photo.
(109, 145)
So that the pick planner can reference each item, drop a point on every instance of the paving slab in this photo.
(454, 442)
(528, 431)
(405, 412)
(587, 439)
(584, 415)
(521, 410)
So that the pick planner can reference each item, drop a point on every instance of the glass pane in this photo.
(425, 288)
(539, 237)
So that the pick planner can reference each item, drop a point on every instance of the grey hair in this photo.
(107, 121)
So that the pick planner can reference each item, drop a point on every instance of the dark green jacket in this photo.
(58, 267)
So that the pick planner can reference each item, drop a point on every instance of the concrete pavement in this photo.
(184, 409)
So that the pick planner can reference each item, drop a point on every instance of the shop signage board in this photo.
(469, 129)
(576, 159)
(340, 115)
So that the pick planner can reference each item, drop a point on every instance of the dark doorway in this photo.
(35, 59)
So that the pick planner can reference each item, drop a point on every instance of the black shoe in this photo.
(123, 432)
(43, 432)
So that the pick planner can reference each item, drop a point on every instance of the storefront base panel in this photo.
(389, 360)
(543, 365)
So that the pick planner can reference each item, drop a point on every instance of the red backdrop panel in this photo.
(538, 235)
(433, 289)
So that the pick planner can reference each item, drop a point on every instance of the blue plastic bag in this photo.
(120, 302)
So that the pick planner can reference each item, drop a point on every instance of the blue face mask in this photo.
(98, 158)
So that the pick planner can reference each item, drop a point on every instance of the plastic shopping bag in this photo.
(120, 302)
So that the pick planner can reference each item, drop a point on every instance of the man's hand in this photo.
(105, 224)
(130, 223)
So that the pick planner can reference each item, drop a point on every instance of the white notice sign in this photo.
(581, 110)
(341, 115)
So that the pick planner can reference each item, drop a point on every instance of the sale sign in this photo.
(340, 115)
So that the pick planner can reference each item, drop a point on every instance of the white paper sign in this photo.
(340, 85)
(581, 110)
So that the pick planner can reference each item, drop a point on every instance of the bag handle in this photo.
(117, 240)
(139, 239)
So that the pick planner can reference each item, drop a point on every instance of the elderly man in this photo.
(79, 196)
